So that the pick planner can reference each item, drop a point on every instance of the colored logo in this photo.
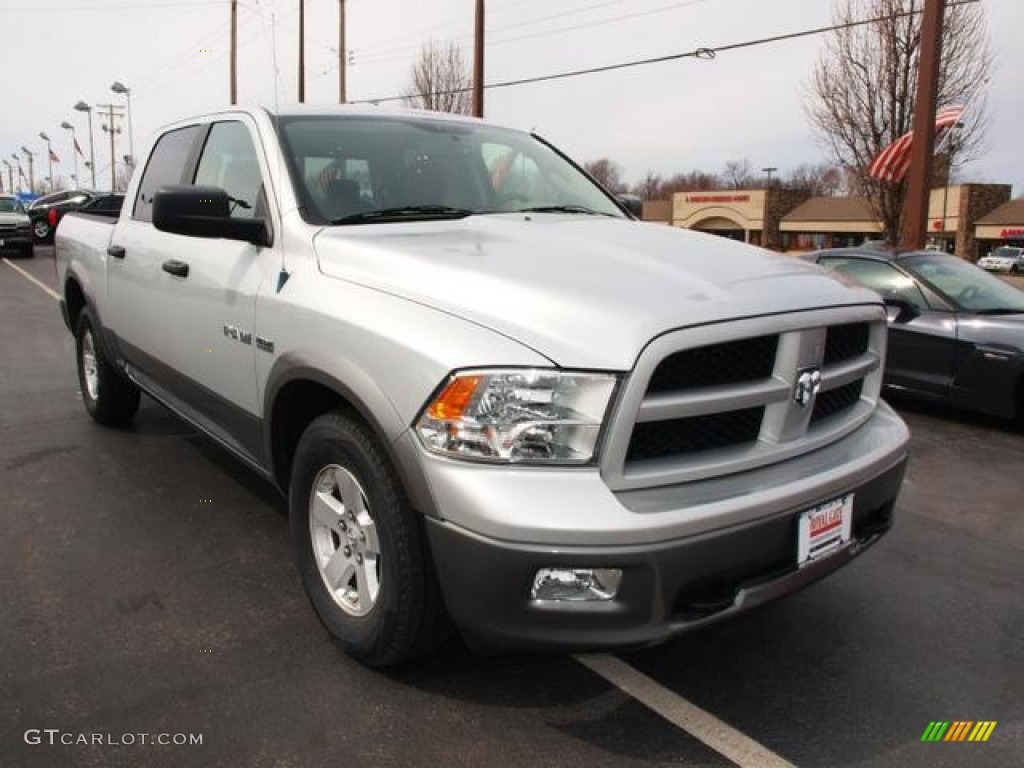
(959, 730)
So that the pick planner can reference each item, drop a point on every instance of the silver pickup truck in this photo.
(492, 398)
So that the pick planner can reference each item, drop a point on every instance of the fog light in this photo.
(576, 584)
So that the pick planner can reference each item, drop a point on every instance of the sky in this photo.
(669, 117)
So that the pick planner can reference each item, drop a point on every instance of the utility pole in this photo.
(478, 61)
(302, 51)
(234, 51)
(915, 209)
(341, 52)
(112, 129)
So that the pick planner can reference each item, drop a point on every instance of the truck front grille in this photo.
(836, 401)
(845, 342)
(656, 439)
(715, 400)
(715, 365)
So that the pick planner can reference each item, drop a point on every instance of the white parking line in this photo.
(705, 727)
(26, 275)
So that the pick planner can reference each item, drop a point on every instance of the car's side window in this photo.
(888, 281)
(229, 161)
(166, 165)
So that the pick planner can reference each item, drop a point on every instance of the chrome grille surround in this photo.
(786, 429)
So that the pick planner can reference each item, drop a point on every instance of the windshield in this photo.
(353, 169)
(964, 284)
(10, 205)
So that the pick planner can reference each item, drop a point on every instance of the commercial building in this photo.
(966, 219)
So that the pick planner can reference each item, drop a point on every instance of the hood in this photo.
(584, 291)
(14, 218)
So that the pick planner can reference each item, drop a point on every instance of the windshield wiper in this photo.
(999, 311)
(565, 209)
(405, 213)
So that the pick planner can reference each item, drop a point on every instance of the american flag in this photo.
(892, 163)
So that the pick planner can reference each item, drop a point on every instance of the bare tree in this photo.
(822, 180)
(441, 80)
(607, 173)
(863, 88)
(738, 174)
(694, 181)
(649, 187)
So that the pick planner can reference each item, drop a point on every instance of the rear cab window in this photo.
(168, 164)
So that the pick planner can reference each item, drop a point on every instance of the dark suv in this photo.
(46, 211)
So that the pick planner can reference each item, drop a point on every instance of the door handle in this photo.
(175, 267)
(117, 251)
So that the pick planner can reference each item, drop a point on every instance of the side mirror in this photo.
(631, 203)
(900, 310)
(185, 209)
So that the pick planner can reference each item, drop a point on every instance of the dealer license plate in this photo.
(824, 529)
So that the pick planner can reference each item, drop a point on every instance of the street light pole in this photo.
(31, 172)
(10, 175)
(83, 107)
(119, 87)
(74, 147)
(49, 156)
(769, 171)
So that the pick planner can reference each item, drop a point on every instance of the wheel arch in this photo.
(298, 392)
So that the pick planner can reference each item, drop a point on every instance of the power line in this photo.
(697, 53)
(380, 56)
(112, 6)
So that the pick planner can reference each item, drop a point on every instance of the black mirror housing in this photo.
(202, 211)
(900, 310)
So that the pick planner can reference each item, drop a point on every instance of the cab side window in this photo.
(229, 161)
(882, 278)
(167, 164)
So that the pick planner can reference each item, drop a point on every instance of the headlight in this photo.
(530, 415)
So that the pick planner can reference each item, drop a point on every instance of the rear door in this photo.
(200, 344)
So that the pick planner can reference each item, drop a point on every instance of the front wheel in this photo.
(41, 229)
(110, 397)
(360, 548)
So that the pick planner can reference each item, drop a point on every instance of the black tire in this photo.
(41, 230)
(406, 618)
(112, 399)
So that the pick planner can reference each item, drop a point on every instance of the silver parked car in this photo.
(1006, 258)
(15, 226)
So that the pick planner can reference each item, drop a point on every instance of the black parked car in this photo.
(104, 205)
(46, 211)
(956, 333)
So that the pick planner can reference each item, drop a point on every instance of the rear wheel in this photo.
(360, 547)
(110, 397)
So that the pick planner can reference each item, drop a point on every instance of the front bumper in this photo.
(997, 267)
(15, 240)
(733, 547)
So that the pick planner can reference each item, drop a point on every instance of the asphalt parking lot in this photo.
(147, 588)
